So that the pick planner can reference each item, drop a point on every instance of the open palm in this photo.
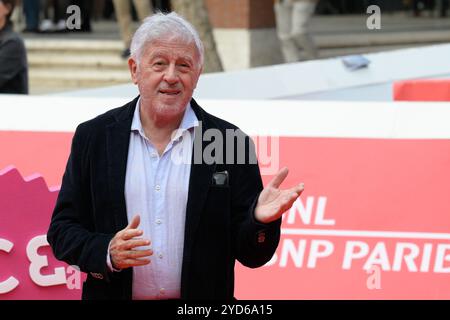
(273, 201)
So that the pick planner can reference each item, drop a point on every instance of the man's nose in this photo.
(171, 75)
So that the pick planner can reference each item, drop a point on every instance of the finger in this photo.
(288, 201)
(298, 188)
(134, 263)
(130, 244)
(279, 178)
(131, 233)
(134, 254)
(134, 223)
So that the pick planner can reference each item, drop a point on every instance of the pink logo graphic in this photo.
(28, 269)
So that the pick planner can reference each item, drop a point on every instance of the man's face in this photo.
(166, 76)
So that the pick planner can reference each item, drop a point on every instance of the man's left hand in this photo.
(273, 201)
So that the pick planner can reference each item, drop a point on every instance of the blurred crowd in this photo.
(50, 15)
(431, 6)
(436, 8)
(293, 16)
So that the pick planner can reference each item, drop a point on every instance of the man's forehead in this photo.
(170, 47)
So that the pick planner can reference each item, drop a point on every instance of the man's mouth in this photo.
(170, 92)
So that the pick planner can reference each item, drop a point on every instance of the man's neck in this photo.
(158, 128)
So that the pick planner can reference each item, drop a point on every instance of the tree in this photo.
(196, 12)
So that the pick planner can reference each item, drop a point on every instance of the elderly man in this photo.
(292, 17)
(144, 226)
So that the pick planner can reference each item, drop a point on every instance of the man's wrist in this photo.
(109, 261)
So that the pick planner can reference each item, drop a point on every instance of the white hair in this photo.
(165, 26)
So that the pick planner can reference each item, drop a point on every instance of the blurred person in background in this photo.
(162, 5)
(31, 9)
(123, 13)
(292, 17)
(13, 56)
(444, 8)
(54, 16)
(419, 6)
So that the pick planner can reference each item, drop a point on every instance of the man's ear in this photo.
(132, 65)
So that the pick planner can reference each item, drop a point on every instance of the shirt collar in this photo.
(188, 122)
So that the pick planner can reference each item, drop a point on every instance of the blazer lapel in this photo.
(199, 183)
(117, 143)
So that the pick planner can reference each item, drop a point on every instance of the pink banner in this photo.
(371, 224)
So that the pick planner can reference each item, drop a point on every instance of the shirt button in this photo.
(160, 255)
(157, 187)
(158, 221)
(153, 155)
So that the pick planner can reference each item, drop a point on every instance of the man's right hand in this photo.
(121, 249)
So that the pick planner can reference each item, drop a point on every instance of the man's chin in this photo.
(169, 109)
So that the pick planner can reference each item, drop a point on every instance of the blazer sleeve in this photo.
(71, 233)
(12, 59)
(254, 242)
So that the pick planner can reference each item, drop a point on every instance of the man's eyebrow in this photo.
(162, 54)
(157, 55)
(188, 59)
